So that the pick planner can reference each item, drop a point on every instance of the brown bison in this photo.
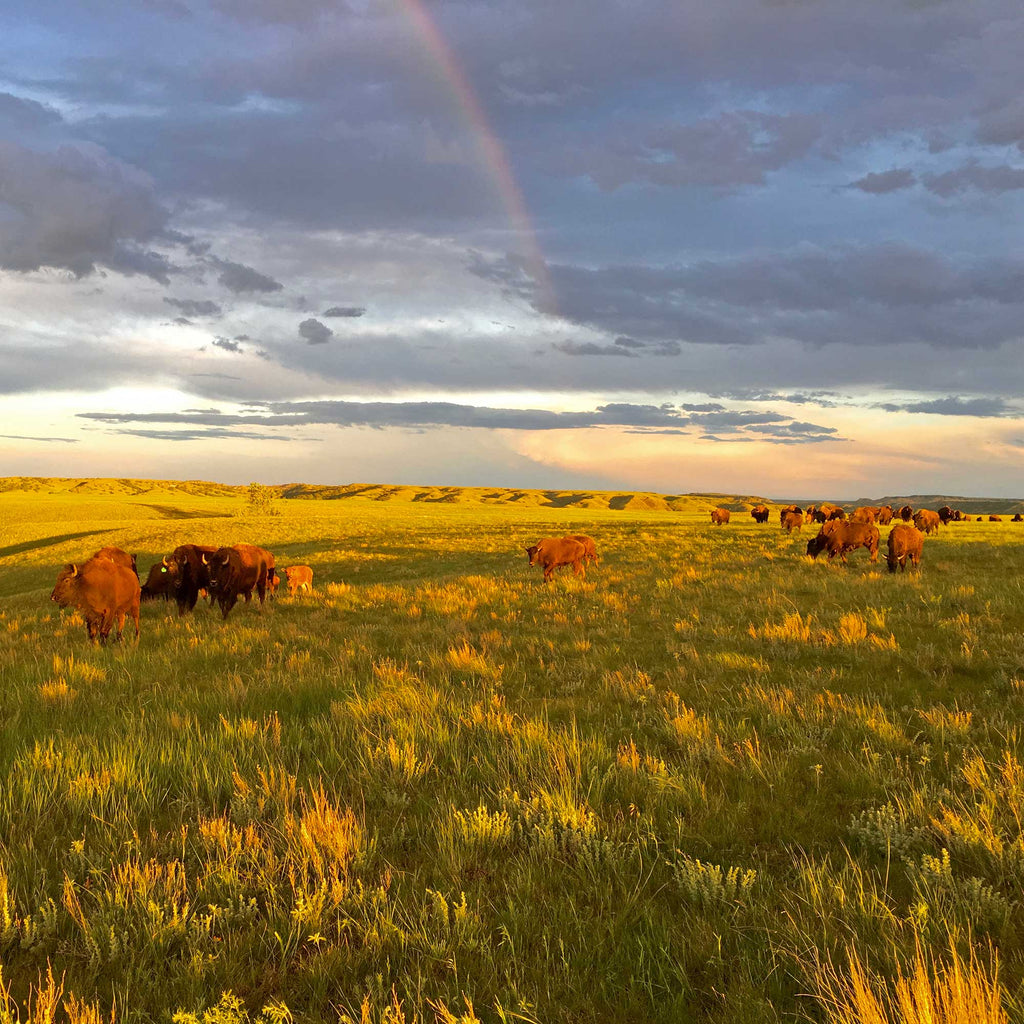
(235, 572)
(926, 520)
(720, 516)
(968, 519)
(588, 546)
(552, 552)
(843, 538)
(905, 542)
(946, 515)
(119, 557)
(182, 575)
(760, 513)
(885, 514)
(995, 519)
(864, 514)
(906, 513)
(789, 508)
(792, 521)
(298, 577)
(103, 591)
(837, 515)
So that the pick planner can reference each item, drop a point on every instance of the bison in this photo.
(298, 577)
(946, 515)
(720, 516)
(905, 542)
(235, 572)
(181, 575)
(760, 513)
(995, 519)
(119, 557)
(864, 514)
(906, 513)
(103, 591)
(1018, 518)
(926, 520)
(885, 514)
(792, 521)
(843, 538)
(588, 546)
(552, 552)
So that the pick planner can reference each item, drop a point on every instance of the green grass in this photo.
(666, 792)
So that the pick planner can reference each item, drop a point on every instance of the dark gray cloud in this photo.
(953, 405)
(228, 344)
(345, 311)
(315, 332)
(240, 279)
(195, 307)
(211, 433)
(881, 182)
(19, 112)
(48, 440)
(975, 177)
(77, 208)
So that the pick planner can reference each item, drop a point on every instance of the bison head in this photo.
(64, 588)
(217, 568)
(531, 554)
(817, 544)
(162, 580)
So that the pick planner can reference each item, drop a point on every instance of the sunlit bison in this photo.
(119, 557)
(864, 514)
(885, 514)
(905, 542)
(181, 575)
(235, 572)
(792, 521)
(995, 519)
(926, 520)
(844, 538)
(760, 513)
(104, 592)
(553, 552)
(720, 516)
(299, 578)
(589, 547)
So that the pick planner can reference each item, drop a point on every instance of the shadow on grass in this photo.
(45, 542)
(170, 512)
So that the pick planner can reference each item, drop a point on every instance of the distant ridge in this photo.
(632, 501)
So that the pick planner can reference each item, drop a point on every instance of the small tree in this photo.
(260, 501)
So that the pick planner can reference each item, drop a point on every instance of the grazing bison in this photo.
(298, 577)
(103, 591)
(792, 521)
(235, 572)
(904, 542)
(995, 519)
(926, 520)
(589, 547)
(119, 557)
(864, 514)
(885, 514)
(906, 513)
(1018, 518)
(720, 516)
(843, 538)
(789, 508)
(760, 513)
(552, 552)
(837, 515)
(946, 515)
(181, 575)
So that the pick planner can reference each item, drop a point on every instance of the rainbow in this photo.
(492, 153)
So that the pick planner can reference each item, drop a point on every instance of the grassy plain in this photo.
(441, 791)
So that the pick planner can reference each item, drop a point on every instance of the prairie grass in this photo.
(441, 790)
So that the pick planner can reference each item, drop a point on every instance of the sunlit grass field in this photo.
(687, 788)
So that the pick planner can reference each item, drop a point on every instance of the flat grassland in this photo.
(438, 790)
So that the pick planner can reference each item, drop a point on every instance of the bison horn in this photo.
(204, 559)
(164, 560)
(225, 560)
(74, 569)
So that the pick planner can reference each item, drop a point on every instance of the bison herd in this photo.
(105, 589)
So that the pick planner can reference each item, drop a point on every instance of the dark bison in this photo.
(103, 591)
(1018, 518)
(885, 514)
(720, 516)
(905, 542)
(837, 515)
(995, 519)
(792, 521)
(926, 520)
(906, 513)
(182, 575)
(864, 514)
(760, 513)
(299, 577)
(119, 557)
(843, 538)
(589, 547)
(552, 552)
(235, 572)
(946, 515)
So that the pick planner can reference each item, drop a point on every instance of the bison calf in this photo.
(552, 552)
(103, 591)
(904, 542)
(792, 521)
(298, 577)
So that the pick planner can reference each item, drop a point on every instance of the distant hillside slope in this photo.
(970, 505)
(626, 501)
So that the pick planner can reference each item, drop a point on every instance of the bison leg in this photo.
(226, 604)
(578, 568)
(549, 573)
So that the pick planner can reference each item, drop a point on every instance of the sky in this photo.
(760, 246)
